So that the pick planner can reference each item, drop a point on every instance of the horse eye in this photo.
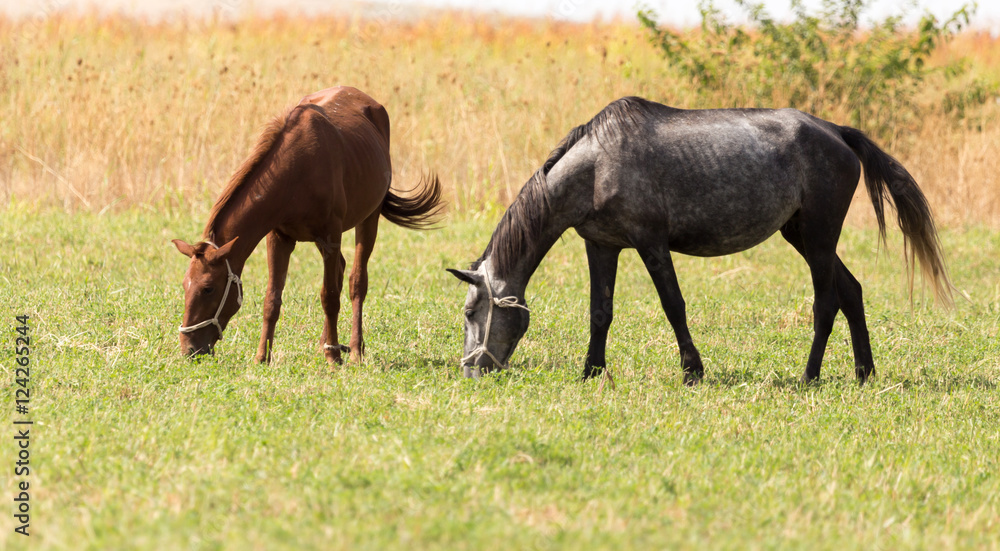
(208, 290)
(469, 314)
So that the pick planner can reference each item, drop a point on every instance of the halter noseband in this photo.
(231, 278)
(500, 302)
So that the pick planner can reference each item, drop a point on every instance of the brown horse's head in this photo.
(213, 293)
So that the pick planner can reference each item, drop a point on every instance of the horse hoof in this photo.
(693, 379)
(334, 353)
(807, 380)
(863, 374)
(591, 371)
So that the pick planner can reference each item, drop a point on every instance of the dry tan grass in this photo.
(112, 112)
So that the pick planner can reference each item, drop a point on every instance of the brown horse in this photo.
(316, 172)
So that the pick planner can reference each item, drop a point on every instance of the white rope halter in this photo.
(231, 278)
(500, 302)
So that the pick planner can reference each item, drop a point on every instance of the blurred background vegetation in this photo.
(110, 112)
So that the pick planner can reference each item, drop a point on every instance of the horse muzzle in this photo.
(482, 364)
(194, 350)
(204, 351)
(472, 371)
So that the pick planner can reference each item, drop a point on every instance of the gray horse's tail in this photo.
(418, 211)
(884, 176)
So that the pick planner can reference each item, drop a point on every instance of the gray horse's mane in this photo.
(526, 217)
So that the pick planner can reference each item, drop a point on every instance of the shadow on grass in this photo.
(742, 376)
(537, 372)
(941, 384)
(422, 363)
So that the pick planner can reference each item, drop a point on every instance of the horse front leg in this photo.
(333, 282)
(661, 268)
(603, 264)
(279, 250)
(364, 243)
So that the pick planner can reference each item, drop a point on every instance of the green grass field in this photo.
(136, 447)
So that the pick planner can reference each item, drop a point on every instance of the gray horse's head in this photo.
(494, 322)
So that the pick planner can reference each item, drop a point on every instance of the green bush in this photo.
(823, 64)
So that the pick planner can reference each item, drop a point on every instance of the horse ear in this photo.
(184, 248)
(467, 276)
(220, 253)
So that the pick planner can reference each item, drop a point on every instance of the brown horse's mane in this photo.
(265, 143)
(525, 219)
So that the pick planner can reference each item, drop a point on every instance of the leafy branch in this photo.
(813, 62)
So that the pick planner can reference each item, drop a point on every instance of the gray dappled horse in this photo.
(700, 182)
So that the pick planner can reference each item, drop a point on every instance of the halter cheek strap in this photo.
(499, 302)
(231, 278)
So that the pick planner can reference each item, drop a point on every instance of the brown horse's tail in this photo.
(418, 211)
(884, 175)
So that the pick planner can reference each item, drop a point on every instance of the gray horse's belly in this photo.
(695, 220)
(731, 222)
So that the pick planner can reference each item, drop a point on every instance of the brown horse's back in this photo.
(345, 100)
(337, 145)
(355, 113)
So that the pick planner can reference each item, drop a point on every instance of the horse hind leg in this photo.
(661, 269)
(279, 251)
(853, 306)
(603, 264)
(819, 251)
(364, 243)
(333, 281)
